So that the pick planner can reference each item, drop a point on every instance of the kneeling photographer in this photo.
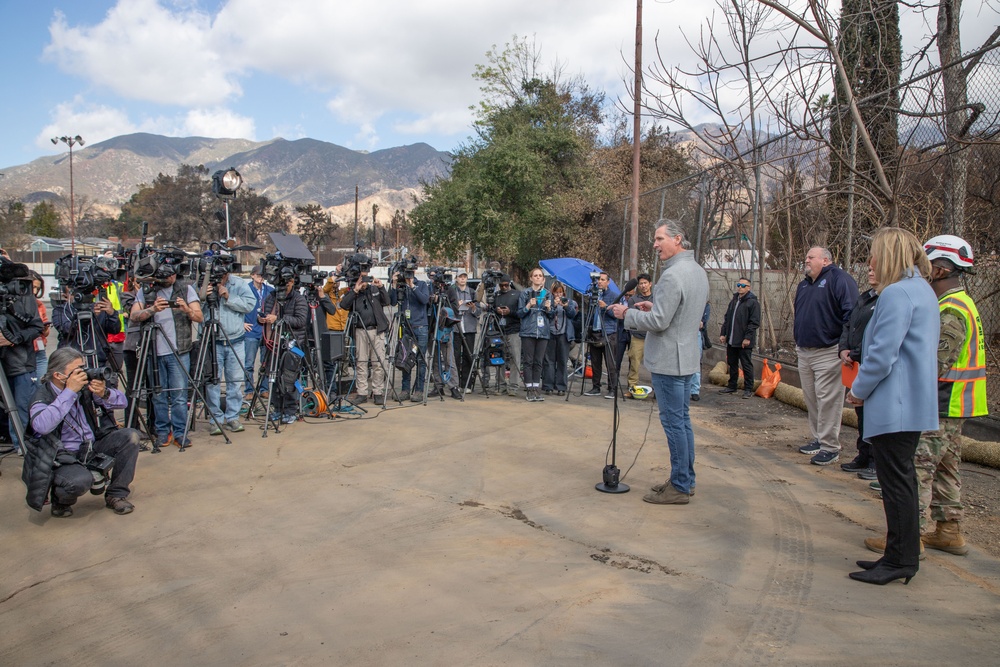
(72, 449)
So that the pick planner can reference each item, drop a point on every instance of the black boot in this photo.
(883, 573)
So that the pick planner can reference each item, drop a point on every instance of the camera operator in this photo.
(20, 326)
(506, 305)
(290, 307)
(416, 296)
(106, 324)
(564, 311)
(175, 307)
(254, 331)
(603, 339)
(235, 301)
(464, 300)
(368, 300)
(121, 302)
(67, 435)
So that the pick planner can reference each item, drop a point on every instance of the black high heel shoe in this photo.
(869, 564)
(882, 574)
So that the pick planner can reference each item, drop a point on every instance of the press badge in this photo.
(407, 313)
(541, 321)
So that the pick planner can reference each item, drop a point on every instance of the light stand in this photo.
(225, 183)
(71, 141)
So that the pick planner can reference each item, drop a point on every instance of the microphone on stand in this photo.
(610, 475)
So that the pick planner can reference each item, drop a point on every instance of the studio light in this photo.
(225, 183)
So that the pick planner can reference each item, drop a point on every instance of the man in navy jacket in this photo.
(823, 304)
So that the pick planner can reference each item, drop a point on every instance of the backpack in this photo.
(406, 353)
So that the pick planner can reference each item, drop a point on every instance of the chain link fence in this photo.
(758, 218)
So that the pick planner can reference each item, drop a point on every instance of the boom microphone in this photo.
(629, 286)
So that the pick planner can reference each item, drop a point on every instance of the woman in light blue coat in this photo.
(897, 384)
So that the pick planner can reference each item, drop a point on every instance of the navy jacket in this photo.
(823, 306)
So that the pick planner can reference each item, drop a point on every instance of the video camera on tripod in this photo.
(491, 282)
(352, 268)
(154, 266)
(404, 270)
(439, 277)
(85, 277)
(14, 284)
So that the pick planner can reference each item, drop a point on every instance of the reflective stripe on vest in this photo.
(962, 388)
(114, 296)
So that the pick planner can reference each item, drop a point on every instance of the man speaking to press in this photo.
(70, 449)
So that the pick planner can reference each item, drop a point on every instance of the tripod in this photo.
(438, 357)
(148, 364)
(491, 340)
(586, 348)
(401, 331)
(10, 407)
(207, 358)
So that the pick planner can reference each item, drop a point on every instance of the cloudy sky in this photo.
(363, 74)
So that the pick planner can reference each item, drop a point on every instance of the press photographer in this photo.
(286, 305)
(71, 448)
(86, 319)
(444, 373)
(229, 299)
(414, 295)
(20, 325)
(367, 301)
(464, 301)
(505, 306)
(172, 304)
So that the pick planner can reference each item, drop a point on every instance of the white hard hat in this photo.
(952, 248)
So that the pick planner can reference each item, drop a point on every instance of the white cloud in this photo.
(143, 51)
(92, 122)
(217, 122)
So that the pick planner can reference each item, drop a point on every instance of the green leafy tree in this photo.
(526, 174)
(177, 208)
(12, 219)
(315, 226)
(44, 221)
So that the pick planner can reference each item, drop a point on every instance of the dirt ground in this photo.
(470, 533)
(781, 428)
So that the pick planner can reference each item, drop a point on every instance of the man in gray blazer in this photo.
(672, 352)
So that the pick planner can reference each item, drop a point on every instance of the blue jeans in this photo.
(673, 395)
(170, 404)
(41, 364)
(696, 378)
(23, 388)
(421, 335)
(230, 363)
(250, 347)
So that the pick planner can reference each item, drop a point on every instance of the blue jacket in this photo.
(417, 298)
(823, 306)
(529, 310)
(897, 379)
(233, 310)
(257, 330)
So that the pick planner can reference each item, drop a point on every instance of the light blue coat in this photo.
(898, 375)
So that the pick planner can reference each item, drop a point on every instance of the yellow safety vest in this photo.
(114, 296)
(962, 389)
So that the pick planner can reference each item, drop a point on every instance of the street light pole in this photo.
(71, 141)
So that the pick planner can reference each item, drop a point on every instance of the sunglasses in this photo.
(742, 285)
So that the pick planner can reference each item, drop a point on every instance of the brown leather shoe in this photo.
(659, 487)
(118, 505)
(667, 496)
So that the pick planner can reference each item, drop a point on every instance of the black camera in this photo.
(158, 265)
(83, 276)
(440, 278)
(353, 266)
(404, 270)
(100, 373)
(491, 281)
(100, 466)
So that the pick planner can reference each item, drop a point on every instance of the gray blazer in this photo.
(673, 346)
(898, 375)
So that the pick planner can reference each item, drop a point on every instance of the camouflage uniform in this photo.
(939, 453)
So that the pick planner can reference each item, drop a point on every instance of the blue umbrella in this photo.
(574, 272)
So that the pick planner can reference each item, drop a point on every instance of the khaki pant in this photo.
(939, 478)
(369, 347)
(635, 349)
(819, 373)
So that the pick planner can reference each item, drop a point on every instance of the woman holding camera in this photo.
(557, 350)
(534, 308)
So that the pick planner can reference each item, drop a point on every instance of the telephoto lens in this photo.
(100, 373)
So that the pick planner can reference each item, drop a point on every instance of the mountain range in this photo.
(303, 171)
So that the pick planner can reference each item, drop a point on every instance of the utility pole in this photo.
(355, 217)
(633, 250)
(71, 141)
